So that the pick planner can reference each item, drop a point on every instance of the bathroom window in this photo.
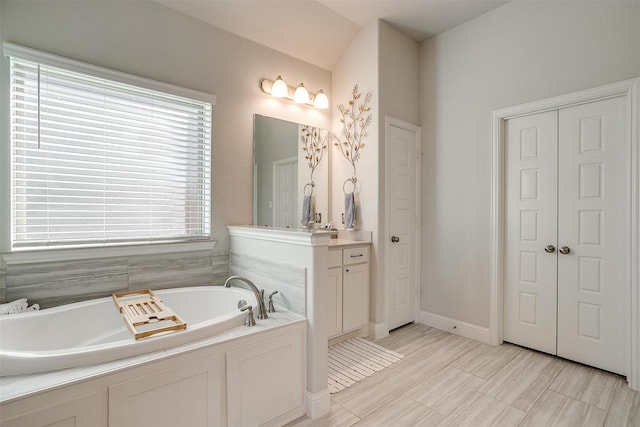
(100, 158)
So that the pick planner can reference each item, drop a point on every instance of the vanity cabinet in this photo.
(347, 289)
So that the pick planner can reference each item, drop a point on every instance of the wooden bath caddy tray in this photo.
(142, 307)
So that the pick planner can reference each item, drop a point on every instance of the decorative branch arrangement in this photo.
(354, 124)
(314, 146)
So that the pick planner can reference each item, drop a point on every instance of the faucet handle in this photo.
(251, 321)
(271, 308)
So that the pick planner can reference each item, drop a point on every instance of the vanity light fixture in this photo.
(321, 101)
(301, 95)
(279, 89)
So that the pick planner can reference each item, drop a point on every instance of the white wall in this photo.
(520, 52)
(150, 40)
(383, 60)
(399, 98)
(359, 65)
(399, 77)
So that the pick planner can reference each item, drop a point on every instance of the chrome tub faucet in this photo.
(259, 293)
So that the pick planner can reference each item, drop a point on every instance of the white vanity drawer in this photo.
(355, 255)
(335, 258)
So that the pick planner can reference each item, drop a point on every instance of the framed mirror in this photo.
(285, 177)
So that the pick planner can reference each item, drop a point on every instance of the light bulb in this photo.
(301, 96)
(321, 101)
(279, 88)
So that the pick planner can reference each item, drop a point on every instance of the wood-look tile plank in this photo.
(411, 338)
(402, 411)
(481, 410)
(434, 357)
(373, 392)
(460, 398)
(589, 385)
(537, 361)
(486, 363)
(525, 389)
(447, 390)
(497, 383)
(625, 408)
(337, 417)
(555, 409)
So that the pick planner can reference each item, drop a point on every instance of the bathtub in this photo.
(92, 332)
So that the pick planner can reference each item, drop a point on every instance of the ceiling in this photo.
(318, 31)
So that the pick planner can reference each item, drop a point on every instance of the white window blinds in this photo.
(96, 161)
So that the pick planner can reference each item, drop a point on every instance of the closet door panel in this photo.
(592, 223)
(531, 204)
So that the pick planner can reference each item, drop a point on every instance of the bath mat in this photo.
(355, 359)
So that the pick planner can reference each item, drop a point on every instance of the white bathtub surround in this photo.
(306, 249)
(92, 332)
(207, 382)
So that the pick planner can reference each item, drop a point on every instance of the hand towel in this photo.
(17, 306)
(349, 211)
(307, 211)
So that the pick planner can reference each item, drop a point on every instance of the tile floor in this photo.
(445, 380)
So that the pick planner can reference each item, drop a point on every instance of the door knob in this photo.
(550, 249)
(564, 250)
(395, 239)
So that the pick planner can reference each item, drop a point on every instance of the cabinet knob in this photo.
(395, 239)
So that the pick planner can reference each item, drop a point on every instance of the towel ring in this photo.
(351, 180)
(309, 184)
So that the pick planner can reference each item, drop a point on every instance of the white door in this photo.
(402, 199)
(593, 226)
(531, 224)
(285, 179)
(567, 180)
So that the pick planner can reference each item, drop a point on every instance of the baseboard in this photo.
(378, 330)
(317, 404)
(454, 326)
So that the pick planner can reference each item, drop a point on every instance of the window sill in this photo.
(76, 254)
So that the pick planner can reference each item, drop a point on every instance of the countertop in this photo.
(344, 243)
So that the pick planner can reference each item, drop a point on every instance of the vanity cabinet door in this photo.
(185, 395)
(265, 381)
(355, 296)
(347, 290)
(77, 411)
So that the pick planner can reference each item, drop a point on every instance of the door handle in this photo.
(549, 249)
(564, 250)
(395, 239)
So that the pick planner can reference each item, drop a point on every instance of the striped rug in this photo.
(355, 359)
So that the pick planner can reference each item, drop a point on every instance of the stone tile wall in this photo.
(54, 283)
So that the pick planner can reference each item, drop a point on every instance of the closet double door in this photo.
(567, 231)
